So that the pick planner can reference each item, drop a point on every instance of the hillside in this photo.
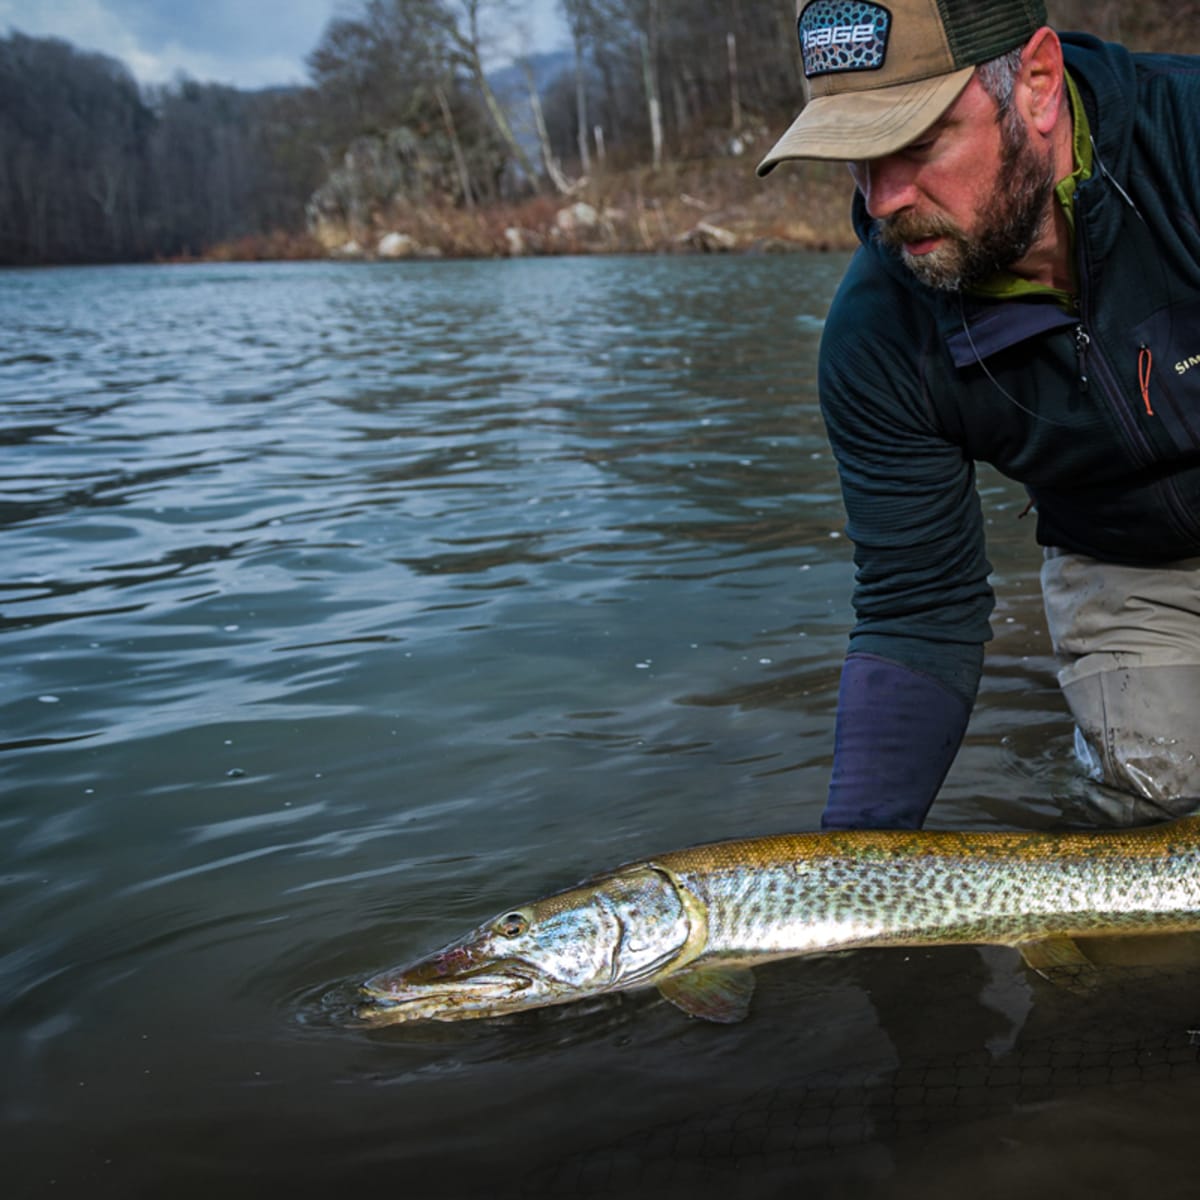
(643, 137)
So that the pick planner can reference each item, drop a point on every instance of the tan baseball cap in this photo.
(876, 76)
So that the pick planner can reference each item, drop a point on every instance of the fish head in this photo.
(615, 932)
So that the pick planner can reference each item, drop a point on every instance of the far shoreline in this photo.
(716, 206)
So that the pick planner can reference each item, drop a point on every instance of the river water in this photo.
(343, 606)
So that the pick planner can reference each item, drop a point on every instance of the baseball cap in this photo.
(877, 76)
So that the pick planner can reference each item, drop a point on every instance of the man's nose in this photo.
(886, 184)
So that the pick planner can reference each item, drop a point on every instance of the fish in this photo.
(693, 922)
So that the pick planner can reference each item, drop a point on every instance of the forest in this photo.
(405, 123)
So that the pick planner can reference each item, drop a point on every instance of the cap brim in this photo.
(851, 126)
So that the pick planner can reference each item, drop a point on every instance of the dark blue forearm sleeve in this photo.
(898, 731)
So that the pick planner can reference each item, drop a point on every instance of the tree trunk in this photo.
(460, 161)
(581, 114)
(653, 103)
(553, 171)
(735, 98)
(500, 121)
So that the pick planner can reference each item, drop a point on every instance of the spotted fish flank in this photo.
(692, 921)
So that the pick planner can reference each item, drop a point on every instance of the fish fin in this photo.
(720, 994)
(1062, 962)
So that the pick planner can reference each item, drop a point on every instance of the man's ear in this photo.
(1041, 84)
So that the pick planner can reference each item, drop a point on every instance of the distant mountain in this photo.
(508, 82)
(512, 90)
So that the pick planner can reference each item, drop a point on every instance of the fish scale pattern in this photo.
(793, 894)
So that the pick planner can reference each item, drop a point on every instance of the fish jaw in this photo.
(414, 993)
(493, 970)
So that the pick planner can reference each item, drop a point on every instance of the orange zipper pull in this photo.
(1145, 362)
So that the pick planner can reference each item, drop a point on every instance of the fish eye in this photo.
(512, 925)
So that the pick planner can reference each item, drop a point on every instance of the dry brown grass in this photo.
(704, 205)
(277, 246)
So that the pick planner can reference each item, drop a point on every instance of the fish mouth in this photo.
(392, 998)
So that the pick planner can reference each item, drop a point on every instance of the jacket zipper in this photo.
(1110, 389)
(1082, 342)
(1112, 395)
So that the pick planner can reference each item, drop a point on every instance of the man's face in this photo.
(970, 197)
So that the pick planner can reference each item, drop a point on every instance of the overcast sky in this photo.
(246, 43)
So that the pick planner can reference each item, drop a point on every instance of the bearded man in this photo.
(1027, 294)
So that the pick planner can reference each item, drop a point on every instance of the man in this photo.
(1027, 294)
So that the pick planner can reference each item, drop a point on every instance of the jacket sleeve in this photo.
(922, 598)
(898, 731)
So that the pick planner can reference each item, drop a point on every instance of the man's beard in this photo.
(1008, 226)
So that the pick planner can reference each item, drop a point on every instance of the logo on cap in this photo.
(843, 35)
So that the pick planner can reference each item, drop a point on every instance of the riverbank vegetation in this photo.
(408, 142)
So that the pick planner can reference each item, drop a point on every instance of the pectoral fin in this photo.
(1060, 960)
(719, 994)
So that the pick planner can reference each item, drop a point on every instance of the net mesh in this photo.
(733, 1148)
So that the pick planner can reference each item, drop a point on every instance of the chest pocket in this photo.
(1169, 372)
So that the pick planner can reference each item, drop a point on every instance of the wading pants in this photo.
(1128, 641)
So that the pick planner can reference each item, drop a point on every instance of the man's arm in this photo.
(921, 597)
(898, 731)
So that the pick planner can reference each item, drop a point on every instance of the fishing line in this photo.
(962, 314)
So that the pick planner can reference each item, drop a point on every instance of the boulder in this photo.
(576, 218)
(397, 245)
(710, 239)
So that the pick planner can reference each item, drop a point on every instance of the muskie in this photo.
(692, 921)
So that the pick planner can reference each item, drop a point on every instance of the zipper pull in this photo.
(1145, 362)
(1082, 342)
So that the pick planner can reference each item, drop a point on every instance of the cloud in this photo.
(245, 43)
(253, 44)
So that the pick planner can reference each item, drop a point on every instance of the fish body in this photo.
(690, 922)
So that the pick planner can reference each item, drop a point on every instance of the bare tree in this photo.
(553, 170)
(579, 22)
(461, 22)
(648, 28)
(460, 160)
